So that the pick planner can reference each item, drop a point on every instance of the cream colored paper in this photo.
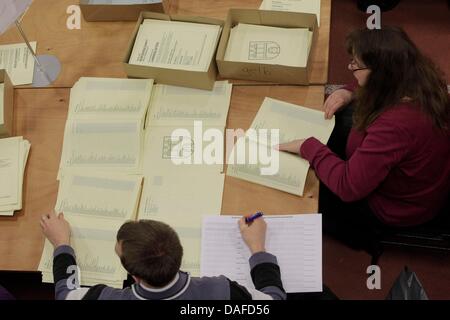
(95, 206)
(2, 107)
(109, 98)
(293, 122)
(172, 106)
(112, 145)
(307, 6)
(269, 45)
(13, 184)
(9, 170)
(175, 45)
(18, 61)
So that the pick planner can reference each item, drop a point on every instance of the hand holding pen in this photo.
(253, 231)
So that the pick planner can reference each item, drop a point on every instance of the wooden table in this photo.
(98, 48)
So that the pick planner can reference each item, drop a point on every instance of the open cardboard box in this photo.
(119, 12)
(6, 126)
(259, 71)
(192, 79)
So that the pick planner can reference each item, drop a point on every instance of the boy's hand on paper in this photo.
(56, 229)
(254, 234)
(292, 147)
(336, 101)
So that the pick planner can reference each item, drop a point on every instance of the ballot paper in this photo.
(295, 240)
(293, 122)
(307, 6)
(105, 126)
(180, 194)
(110, 98)
(18, 61)
(2, 107)
(95, 205)
(175, 45)
(13, 157)
(179, 106)
(269, 45)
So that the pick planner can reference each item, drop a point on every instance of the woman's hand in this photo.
(336, 101)
(292, 147)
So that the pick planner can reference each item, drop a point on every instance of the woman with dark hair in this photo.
(387, 164)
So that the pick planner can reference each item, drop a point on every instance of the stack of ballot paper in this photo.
(18, 61)
(295, 240)
(13, 158)
(175, 45)
(95, 205)
(180, 194)
(100, 187)
(269, 45)
(306, 6)
(293, 122)
(2, 107)
(105, 126)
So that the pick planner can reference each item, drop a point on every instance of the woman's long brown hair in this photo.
(398, 70)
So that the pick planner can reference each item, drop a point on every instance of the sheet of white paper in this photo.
(18, 61)
(295, 240)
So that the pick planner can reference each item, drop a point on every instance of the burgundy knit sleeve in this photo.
(354, 179)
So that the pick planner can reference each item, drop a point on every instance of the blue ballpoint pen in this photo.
(253, 217)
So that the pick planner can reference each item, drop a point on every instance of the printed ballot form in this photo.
(95, 205)
(269, 45)
(18, 61)
(306, 6)
(175, 45)
(13, 158)
(296, 241)
(293, 122)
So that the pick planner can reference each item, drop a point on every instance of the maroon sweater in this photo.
(401, 165)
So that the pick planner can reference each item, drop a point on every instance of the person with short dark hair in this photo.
(151, 252)
(387, 166)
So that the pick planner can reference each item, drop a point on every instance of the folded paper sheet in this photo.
(296, 241)
(293, 122)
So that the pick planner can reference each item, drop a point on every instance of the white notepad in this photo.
(296, 241)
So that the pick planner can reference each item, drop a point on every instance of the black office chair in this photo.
(434, 236)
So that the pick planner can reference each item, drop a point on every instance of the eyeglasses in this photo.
(354, 64)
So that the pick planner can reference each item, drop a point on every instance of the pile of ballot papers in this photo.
(13, 159)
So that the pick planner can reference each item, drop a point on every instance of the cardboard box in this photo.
(259, 71)
(192, 79)
(126, 12)
(6, 127)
